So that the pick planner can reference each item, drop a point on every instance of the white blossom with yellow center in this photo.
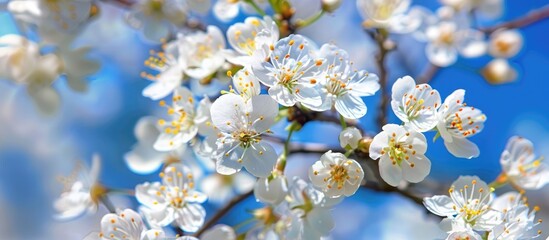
(157, 17)
(251, 40)
(457, 122)
(520, 165)
(336, 175)
(170, 71)
(242, 124)
(201, 53)
(186, 121)
(245, 83)
(415, 105)
(448, 38)
(402, 154)
(126, 224)
(341, 86)
(175, 199)
(391, 15)
(505, 43)
(290, 72)
(518, 221)
(468, 204)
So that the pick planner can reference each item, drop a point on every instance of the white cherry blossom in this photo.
(175, 199)
(143, 158)
(170, 71)
(242, 124)
(221, 188)
(449, 38)
(291, 73)
(349, 138)
(392, 15)
(227, 10)
(468, 204)
(251, 40)
(187, 120)
(499, 71)
(518, 220)
(157, 17)
(457, 122)
(311, 216)
(505, 43)
(201, 53)
(126, 224)
(82, 193)
(521, 167)
(401, 154)
(415, 105)
(336, 175)
(341, 86)
(246, 84)
(271, 190)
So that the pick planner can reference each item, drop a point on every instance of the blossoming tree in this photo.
(269, 81)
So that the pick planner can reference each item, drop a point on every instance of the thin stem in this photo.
(281, 165)
(108, 204)
(255, 7)
(406, 194)
(342, 121)
(530, 18)
(221, 212)
(312, 19)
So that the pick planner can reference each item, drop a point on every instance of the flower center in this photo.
(399, 151)
(472, 205)
(155, 6)
(339, 175)
(247, 137)
(335, 86)
(530, 168)
(446, 37)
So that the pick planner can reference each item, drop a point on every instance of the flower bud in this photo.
(349, 137)
(505, 43)
(330, 5)
(364, 145)
(498, 71)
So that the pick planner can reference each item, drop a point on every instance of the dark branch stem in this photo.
(380, 36)
(221, 212)
(530, 18)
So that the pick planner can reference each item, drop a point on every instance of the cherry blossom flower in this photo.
(447, 38)
(402, 153)
(201, 53)
(186, 121)
(457, 122)
(251, 40)
(518, 220)
(291, 73)
(468, 204)
(168, 64)
(156, 17)
(271, 190)
(227, 10)
(336, 175)
(127, 224)
(415, 105)
(82, 192)
(505, 43)
(246, 84)
(341, 87)
(22, 63)
(172, 200)
(311, 216)
(392, 15)
(499, 71)
(349, 138)
(143, 158)
(221, 188)
(242, 124)
(520, 165)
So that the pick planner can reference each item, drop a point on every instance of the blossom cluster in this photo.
(226, 97)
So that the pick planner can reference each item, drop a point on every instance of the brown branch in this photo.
(380, 36)
(221, 212)
(429, 73)
(406, 194)
(530, 18)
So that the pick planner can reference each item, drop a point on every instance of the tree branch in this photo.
(221, 212)
(530, 18)
(380, 36)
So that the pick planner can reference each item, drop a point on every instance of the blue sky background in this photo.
(34, 149)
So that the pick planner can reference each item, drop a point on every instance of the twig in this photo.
(219, 214)
(428, 74)
(405, 194)
(380, 36)
(530, 18)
